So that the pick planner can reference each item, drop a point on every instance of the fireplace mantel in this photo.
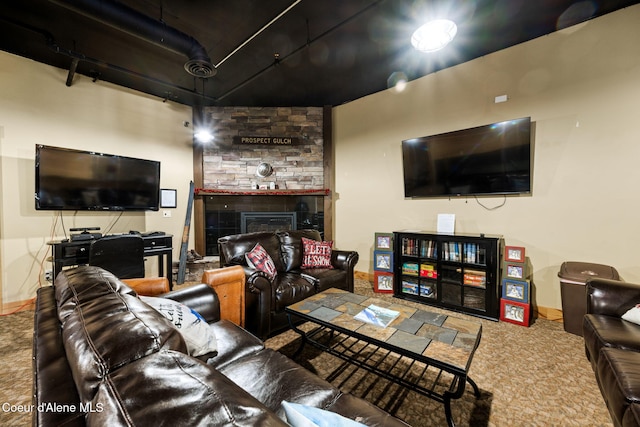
(298, 192)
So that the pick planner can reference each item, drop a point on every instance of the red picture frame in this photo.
(515, 312)
(514, 253)
(383, 282)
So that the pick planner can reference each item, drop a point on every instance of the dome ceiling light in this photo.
(434, 35)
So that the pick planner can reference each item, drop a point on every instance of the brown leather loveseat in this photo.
(266, 297)
(612, 345)
(103, 357)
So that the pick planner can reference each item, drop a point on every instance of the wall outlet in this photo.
(48, 275)
(166, 214)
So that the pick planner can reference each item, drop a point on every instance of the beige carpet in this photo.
(536, 376)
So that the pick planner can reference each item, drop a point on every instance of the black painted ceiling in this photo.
(318, 52)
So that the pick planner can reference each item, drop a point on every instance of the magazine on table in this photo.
(376, 315)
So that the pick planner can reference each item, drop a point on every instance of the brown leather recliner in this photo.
(267, 298)
(612, 345)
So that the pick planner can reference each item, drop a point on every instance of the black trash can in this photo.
(573, 279)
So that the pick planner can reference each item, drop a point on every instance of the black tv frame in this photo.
(130, 184)
(507, 154)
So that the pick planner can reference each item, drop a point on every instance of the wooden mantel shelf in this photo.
(298, 192)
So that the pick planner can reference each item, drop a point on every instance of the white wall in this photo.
(580, 86)
(37, 107)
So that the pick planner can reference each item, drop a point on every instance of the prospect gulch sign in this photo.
(265, 140)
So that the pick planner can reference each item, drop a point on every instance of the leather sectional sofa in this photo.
(612, 345)
(266, 298)
(103, 357)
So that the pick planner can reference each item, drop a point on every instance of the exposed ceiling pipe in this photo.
(139, 25)
(176, 93)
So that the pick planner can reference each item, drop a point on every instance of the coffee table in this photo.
(438, 347)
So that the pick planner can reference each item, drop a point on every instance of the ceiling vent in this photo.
(142, 26)
(200, 68)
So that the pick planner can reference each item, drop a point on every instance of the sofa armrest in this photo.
(221, 276)
(259, 303)
(611, 297)
(344, 260)
(200, 298)
(148, 286)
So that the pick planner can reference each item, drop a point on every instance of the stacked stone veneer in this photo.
(233, 167)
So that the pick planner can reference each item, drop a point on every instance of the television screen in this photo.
(69, 179)
(484, 160)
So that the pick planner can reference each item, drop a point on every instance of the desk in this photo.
(66, 253)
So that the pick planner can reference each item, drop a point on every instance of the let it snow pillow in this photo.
(199, 337)
(633, 315)
(316, 254)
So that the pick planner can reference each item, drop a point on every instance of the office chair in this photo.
(122, 255)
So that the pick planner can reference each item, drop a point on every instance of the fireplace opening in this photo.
(226, 215)
(251, 222)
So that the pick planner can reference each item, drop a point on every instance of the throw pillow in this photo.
(197, 334)
(316, 254)
(307, 416)
(259, 259)
(633, 314)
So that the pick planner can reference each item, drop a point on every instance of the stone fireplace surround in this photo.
(224, 172)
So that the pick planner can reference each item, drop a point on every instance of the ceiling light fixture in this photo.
(434, 35)
(203, 135)
(202, 131)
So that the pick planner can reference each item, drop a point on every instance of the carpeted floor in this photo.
(536, 376)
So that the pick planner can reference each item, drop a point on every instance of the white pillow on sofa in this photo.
(197, 334)
(633, 315)
(308, 416)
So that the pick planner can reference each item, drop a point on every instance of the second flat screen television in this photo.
(493, 159)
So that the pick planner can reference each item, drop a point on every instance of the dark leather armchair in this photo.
(122, 255)
(265, 297)
(612, 345)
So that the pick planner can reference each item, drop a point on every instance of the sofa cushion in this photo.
(171, 388)
(607, 331)
(259, 259)
(105, 327)
(291, 288)
(272, 377)
(291, 246)
(316, 254)
(233, 343)
(619, 379)
(233, 248)
(197, 334)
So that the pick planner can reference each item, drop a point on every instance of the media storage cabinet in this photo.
(459, 272)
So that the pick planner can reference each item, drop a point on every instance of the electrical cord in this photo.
(493, 208)
(108, 230)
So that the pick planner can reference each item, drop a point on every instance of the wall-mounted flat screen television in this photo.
(69, 179)
(493, 159)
